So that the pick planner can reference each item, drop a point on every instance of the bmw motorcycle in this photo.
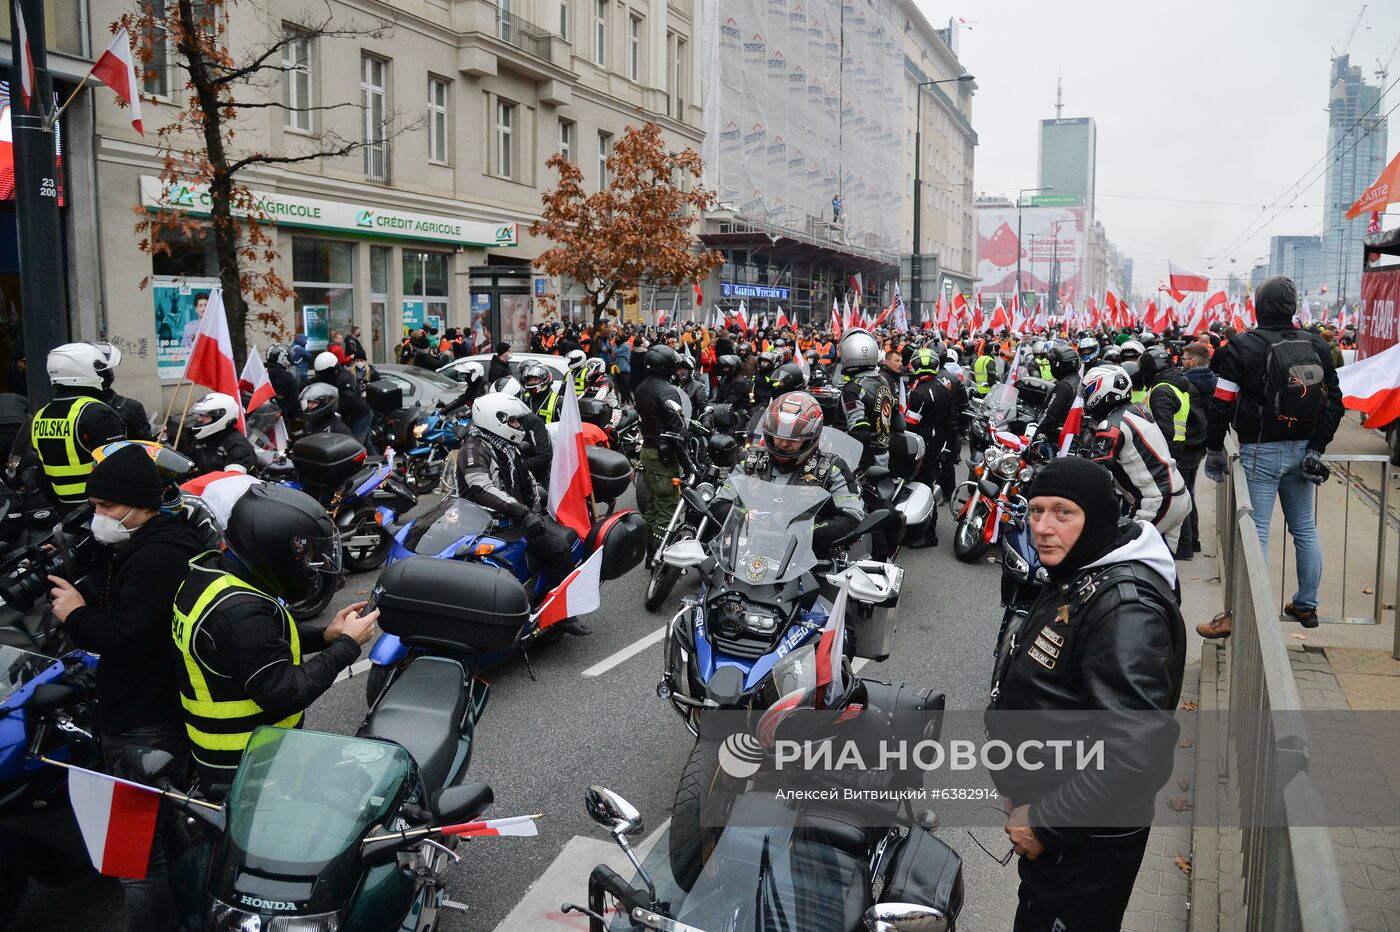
(435, 436)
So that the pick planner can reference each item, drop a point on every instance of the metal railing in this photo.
(1289, 874)
(522, 33)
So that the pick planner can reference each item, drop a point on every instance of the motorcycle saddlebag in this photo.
(906, 453)
(327, 459)
(925, 871)
(467, 607)
(623, 537)
(611, 472)
(384, 397)
(595, 412)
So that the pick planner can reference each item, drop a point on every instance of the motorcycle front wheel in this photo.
(362, 555)
(691, 842)
(970, 540)
(322, 591)
(422, 476)
(664, 577)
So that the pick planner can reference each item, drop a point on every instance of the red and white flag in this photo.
(27, 79)
(832, 646)
(858, 284)
(570, 483)
(1183, 279)
(1372, 385)
(1195, 313)
(254, 376)
(211, 358)
(836, 323)
(117, 820)
(579, 593)
(1000, 318)
(520, 826)
(1074, 421)
(783, 322)
(741, 317)
(116, 69)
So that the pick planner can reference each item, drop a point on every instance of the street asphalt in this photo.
(543, 740)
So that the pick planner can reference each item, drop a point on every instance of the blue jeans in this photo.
(1274, 470)
(360, 427)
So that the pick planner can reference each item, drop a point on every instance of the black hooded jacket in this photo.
(1240, 368)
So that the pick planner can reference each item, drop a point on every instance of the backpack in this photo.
(1294, 386)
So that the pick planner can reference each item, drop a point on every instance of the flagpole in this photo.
(154, 789)
(52, 118)
(421, 832)
(189, 398)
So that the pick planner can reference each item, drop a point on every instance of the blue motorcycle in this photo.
(763, 594)
(435, 435)
(1022, 574)
(43, 712)
(456, 529)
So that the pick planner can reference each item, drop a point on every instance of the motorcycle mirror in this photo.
(695, 500)
(612, 812)
(462, 803)
(48, 697)
(904, 917)
(684, 554)
(866, 525)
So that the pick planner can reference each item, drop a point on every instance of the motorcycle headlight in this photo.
(226, 918)
(419, 430)
(1016, 563)
(1002, 463)
(760, 622)
(1026, 476)
(706, 491)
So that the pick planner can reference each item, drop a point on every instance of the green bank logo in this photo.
(182, 195)
(505, 234)
(364, 218)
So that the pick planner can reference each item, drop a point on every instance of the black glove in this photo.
(516, 511)
(532, 524)
(1314, 469)
(1215, 466)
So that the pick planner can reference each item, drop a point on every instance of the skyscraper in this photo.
(1068, 154)
(1356, 148)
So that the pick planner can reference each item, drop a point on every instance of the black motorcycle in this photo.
(706, 457)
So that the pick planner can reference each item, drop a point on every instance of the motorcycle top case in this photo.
(623, 537)
(327, 459)
(611, 472)
(384, 397)
(595, 412)
(1034, 393)
(471, 607)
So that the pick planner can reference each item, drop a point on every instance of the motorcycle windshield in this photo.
(18, 667)
(447, 523)
(767, 536)
(301, 798)
(842, 444)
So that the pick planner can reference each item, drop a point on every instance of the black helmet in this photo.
(767, 362)
(1064, 361)
(787, 378)
(924, 362)
(282, 538)
(279, 355)
(726, 366)
(319, 401)
(685, 368)
(535, 378)
(1152, 363)
(661, 360)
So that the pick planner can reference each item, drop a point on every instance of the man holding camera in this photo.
(127, 622)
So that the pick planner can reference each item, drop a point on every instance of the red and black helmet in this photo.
(791, 428)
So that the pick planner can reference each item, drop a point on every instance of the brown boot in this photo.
(1218, 627)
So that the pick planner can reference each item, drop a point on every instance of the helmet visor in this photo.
(321, 554)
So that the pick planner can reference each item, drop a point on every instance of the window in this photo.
(679, 79)
(379, 302)
(505, 139)
(566, 139)
(296, 80)
(634, 48)
(437, 120)
(605, 144)
(157, 70)
(425, 277)
(374, 80)
(504, 20)
(564, 19)
(323, 276)
(600, 32)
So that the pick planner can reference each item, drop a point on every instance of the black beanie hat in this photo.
(127, 477)
(1090, 486)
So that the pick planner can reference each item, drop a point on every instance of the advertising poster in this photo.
(316, 324)
(178, 305)
(1048, 235)
(413, 315)
(434, 324)
(481, 323)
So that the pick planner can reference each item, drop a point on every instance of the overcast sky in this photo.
(1207, 110)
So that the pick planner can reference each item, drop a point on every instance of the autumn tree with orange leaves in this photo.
(637, 229)
(198, 146)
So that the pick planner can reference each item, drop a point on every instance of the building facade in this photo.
(1356, 153)
(1301, 258)
(1069, 161)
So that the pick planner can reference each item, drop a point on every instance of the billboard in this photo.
(1049, 234)
(7, 148)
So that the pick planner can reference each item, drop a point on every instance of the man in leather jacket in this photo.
(659, 411)
(1064, 367)
(866, 397)
(933, 415)
(1105, 636)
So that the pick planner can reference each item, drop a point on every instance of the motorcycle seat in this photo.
(829, 828)
(423, 712)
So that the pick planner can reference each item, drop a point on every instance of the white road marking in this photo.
(859, 663)
(355, 669)
(627, 653)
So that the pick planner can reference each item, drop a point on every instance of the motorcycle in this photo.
(982, 504)
(435, 435)
(763, 594)
(895, 485)
(456, 530)
(706, 458)
(775, 860)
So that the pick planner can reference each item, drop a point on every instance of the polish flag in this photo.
(520, 826)
(579, 594)
(1237, 317)
(1217, 300)
(1183, 279)
(741, 317)
(783, 322)
(1156, 321)
(661, 318)
(858, 283)
(1305, 314)
(27, 79)
(1372, 385)
(211, 358)
(1074, 421)
(832, 646)
(1197, 320)
(836, 327)
(117, 820)
(974, 324)
(115, 69)
(699, 300)
(254, 375)
(1000, 318)
(570, 483)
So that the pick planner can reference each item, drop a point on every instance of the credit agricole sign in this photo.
(337, 216)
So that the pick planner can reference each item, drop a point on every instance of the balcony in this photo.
(493, 38)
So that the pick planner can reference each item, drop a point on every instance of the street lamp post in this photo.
(1019, 195)
(916, 258)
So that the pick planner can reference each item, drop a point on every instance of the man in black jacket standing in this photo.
(1276, 386)
(659, 409)
(124, 615)
(1105, 636)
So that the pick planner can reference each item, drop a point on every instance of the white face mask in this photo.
(109, 530)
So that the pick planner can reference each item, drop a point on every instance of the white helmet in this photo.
(859, 351)
(325, 361)
(79, 365)
(509, 385)
(576, 359)
(1105, 388)
(1132, 346)
(500, 414)
(595, 366)
(111, 355)
(212, 413)
(471, 372)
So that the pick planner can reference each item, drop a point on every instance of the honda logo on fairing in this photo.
(257, 903)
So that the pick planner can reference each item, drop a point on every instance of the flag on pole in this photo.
(117, 819)
(741, 316)
(520, 826)
(211, 357)
(27, 78)
(1384, 190)
(116, 69)
(579, 593)
(831, 647)
(783, 322)
(1372, 385)
(1183, 279)
(1000, 318)
(570, 483)
(254, 376)
(858, 283)
(1074, 421)
(835, 319)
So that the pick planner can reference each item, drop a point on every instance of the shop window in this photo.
(426, 275)
(323, 276)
